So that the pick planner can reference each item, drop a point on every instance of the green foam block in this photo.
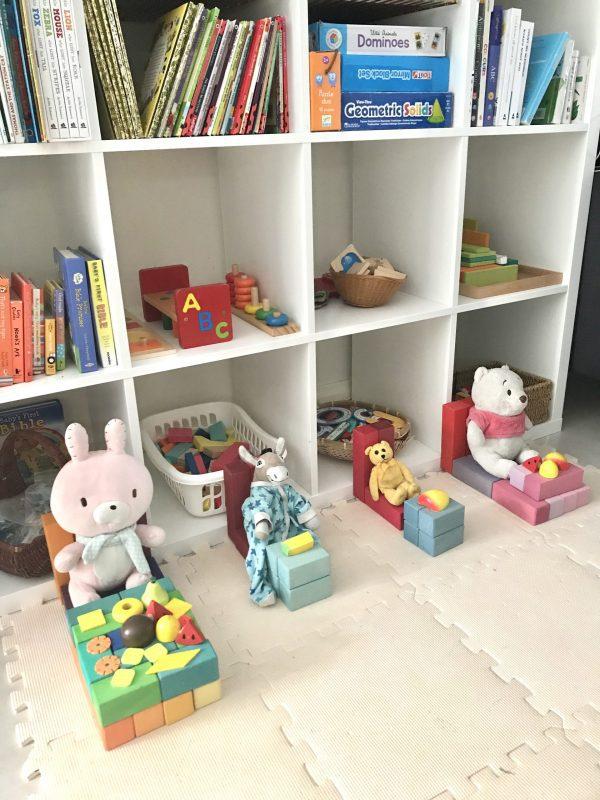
(113, 704)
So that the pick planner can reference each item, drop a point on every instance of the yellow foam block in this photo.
(122, 678)
(178, 607)
(93, 619)
(132, 656)
(297, 544)
(155, 652)
(207, 694)
(176, 660)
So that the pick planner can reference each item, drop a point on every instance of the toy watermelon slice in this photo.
(532, 464)
(189, 633)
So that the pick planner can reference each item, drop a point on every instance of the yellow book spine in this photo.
(50, 345)
(102, 320)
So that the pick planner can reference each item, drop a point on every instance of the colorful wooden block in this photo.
(105, 604)
(538, 488)
(160, 279)
(217, 432)
(306, 594)
(363, 437)
(180, 435)
(149, 719)
(194, 463)
(207, 694)
(113, 704)
(525, 507)
(118, 733)
(468, 471)
(203, 315)
(436, 545)
(116, 640)
(179, 707)
(214, 448)
(203, 668)
(290, 572)
(176, 452)
(454, 432)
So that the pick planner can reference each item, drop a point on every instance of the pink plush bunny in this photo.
(99, 496)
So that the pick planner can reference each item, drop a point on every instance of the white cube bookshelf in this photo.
(282, 206)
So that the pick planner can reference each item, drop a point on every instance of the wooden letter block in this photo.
(203, 315)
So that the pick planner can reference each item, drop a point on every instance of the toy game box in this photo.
(402, 74)
(363, 111)
(387, 40)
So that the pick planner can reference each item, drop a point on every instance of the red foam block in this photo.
(454, 431)
(237, 479)
(532, 511)
(180, 435)
(227, 456)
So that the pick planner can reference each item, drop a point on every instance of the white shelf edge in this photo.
(471, 304)
(219, 142)
(44, 385)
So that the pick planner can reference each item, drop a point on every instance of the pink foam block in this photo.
(227, 456)
(525, 507)
(576, 498)
(557, 505)
(538, 488)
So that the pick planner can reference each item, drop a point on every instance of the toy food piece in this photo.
(297, 544)
(189, 633)
(560, 460)
(156, 651)
(176, 660)
(91, 620)
(532, 464)
(266, 309)
(132, 656)
(138, 631)
(97, 645)
(126, 608)
(167, 628)
(549, 470)
(277, 319)
(178, 607)
(154, 591)
(155, 610)
(254, 303)
(434, 499)
(107, 665)
(122, 678)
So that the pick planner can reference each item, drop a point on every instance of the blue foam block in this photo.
(290, 572)
(411, 511)
(116, 640)
(217, 432)
(411, 533)
(436, 545)
(305, 595)
(468, 471)
(202, 669)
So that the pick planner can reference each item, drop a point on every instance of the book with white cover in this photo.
(485, 51)
(566, 119)
(83, 122)
(518, 90)
(508, 59)
(581, 85)
(62, 131)
(64, 71)
(565, 64)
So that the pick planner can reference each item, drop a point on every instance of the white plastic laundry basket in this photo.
(200, 495)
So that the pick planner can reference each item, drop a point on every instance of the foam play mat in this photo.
(470, 675)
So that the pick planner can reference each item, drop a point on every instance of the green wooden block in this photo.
(202, 669)
(470, 224)
(87, 662)
(217, 432)
(103, 603)
(113, 704)
(167, 323)
(80, 636)
(477, 249)
(477, 261)
(138, 591)
(307, 594)
(487, 277)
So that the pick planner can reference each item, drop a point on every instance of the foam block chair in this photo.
(238, 477)
(363, 437)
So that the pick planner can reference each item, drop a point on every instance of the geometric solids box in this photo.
(538, 488)
(393, 110)
(301, 579)
(150, 700)
(434, 532)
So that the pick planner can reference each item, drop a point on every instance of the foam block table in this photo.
(145, 699)
(434, 532)
(302, 579)
(538, 511)
(538, 488)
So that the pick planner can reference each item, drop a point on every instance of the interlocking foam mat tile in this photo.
(468, 675)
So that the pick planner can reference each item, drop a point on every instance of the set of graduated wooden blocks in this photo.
(527, 494)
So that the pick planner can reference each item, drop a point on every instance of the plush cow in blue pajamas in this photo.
(273, 512)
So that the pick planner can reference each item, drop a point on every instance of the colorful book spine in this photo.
(228, 121)
(185, 64)
(518, 90)
(566, 117)
(247, 78)
(547, 50)
(485, 47)
(105, 341)
(54, 304)
(284, 106)
(214, 87)
(37, 329)
(38, 36)
(562, 71)
(54, 69)
(24, 292)
(21, 72)
(72, 45)
(581, 85)
(16, 324)
(269, 63)
(195, 77)
(50, 346)
(31, 60)
(493, 65)
(508, 58)
(270, 82)
(64, 70)
(73, 271)
(8, 95)
(211, 56)
(215, 114)
(256, 74)
(6, 370)
(477, 64)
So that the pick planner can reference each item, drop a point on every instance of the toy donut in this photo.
(362, 414)
(323, 430)
(333, 415)
(244, 282)
(277, 319)
(128, 607)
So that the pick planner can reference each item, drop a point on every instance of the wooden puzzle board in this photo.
(472, 675)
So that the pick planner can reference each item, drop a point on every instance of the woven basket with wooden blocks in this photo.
(337, 420)
(364, 282)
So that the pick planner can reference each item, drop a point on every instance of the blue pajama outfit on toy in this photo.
(288, 513)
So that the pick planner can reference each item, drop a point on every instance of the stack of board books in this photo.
(374, 77)
(42, 97)
(205, 76)
(39, 323)
(522, 79)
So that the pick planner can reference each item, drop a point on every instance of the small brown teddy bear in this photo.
(389, 476)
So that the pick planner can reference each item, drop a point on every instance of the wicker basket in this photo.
(365, 291)
(342, 450)
(537, 389)
(29, 560)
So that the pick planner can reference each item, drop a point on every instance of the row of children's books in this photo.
(522, 79)
(38, 324)
(205, 76)
(42, 96)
